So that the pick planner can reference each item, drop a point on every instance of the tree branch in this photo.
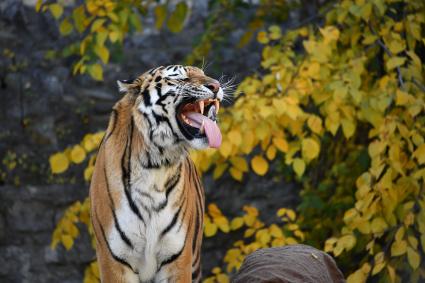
(389, 53)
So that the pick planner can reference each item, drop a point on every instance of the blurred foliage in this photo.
(339, 109)
(99, 26)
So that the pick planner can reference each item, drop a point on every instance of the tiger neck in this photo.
(153, 156)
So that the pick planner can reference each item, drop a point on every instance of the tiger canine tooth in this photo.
(201, 106)
(202, 129)
(217, 106)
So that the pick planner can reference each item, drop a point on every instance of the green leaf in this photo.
(135, 22)
(160, 15)
(101, 37)
(78, 15)
(65, 27)
(97, 24)
(177, 17)
(56, 10)
(96, 72)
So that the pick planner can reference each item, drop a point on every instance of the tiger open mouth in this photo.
(198, 119)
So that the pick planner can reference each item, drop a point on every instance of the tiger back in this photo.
(147, 200)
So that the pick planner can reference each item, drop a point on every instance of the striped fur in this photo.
(147, 201)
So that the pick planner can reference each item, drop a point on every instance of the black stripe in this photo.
(172, 182)
(196, 231)
(114, 118)
(175, 256)
(146, 98)
(116, 223)
(171, 258)
(114, 256)
(159, 118)
(172, 223)
(158, 78)
(196, 273)
(127, 172)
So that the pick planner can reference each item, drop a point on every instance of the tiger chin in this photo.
(147, 200)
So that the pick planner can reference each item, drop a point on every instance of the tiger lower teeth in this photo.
(212, 113)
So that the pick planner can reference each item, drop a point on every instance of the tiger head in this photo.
(177, 105)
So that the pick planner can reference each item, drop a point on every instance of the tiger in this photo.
(147, 200)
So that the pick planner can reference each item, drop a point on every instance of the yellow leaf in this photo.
(210, 228)
(299, 166)
(240, 163)
(236, 223)
(330, 33)
(38, 5)
(396, 46)
(281, 144)
(67, 241)
(88, 172)
(403, 98)
(398, 248)
(291, 214)
(114, 36)
(236, 173)
(65, 27)
(225, 148)
(58, 163)
(160, 15)
(219, 170)
(56, 10)
(275, 32)
(315, 124)
(378, 267)
(347, 241)
(97, 24)
(378, 225)
(310, 148)
(235, 137)
(420, 154)
(222, 278)
(96, 72)
(413, 257)
(262, 37)
(102, 52)
(222, 223)
(399, 235)
(271, 152)
(78, 154)
(259, 165)
(176, 19)
(376, 147)
(356, 277)
(348, 128)
(281, 212)
(395, 62)
(214, 211)
(275, 231)
(391, 273)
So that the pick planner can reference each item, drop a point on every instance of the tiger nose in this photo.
(213, 86)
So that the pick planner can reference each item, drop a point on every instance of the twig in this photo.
(389, 53)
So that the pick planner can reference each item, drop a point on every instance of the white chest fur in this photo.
(147, 240)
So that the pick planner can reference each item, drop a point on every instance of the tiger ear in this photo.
(124, 85)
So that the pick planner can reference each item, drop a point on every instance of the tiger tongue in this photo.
(211, 129)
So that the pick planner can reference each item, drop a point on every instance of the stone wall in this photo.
(28, 216)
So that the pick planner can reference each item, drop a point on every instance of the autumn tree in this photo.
(339, 106)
